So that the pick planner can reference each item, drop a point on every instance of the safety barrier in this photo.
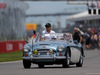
(11, 46)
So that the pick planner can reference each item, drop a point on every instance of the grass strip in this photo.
(11, 56)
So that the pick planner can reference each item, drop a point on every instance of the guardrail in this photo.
(11, 46)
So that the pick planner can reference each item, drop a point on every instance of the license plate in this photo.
(42, 53)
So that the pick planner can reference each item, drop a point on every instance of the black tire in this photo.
(40, 65)
(26, 64)
(82, 51)
(80, 63)
(67, 60)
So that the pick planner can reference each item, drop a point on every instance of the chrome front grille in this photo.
(43, 51)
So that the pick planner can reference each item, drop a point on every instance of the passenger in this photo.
(68, 36)
(48, 30)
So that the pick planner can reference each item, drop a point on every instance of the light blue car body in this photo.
(43, 48)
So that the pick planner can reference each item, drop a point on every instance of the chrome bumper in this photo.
(53, 58)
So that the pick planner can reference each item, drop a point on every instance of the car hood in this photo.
(48, 45)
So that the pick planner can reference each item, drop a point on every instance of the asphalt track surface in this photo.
(91, 66)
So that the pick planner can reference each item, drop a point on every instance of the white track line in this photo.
(10, 62)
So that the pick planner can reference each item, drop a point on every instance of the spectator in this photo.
(88, 42)
(94, 40)
(77, 36)
(99, 38)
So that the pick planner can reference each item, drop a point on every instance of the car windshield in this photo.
(54, 37)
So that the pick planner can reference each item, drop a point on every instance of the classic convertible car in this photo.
(56, 48)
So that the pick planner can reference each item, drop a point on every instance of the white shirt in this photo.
(45, 32)
(47, 37)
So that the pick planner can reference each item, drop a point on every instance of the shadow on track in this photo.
(53, 67)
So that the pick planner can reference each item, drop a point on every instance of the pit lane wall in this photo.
(11, 46)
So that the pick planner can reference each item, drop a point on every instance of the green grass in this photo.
(11, 56)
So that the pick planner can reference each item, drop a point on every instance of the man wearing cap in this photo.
(48, 30)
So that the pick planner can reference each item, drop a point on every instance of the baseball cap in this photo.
(48, 25)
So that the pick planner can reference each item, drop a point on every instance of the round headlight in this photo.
(50, 51)
(26, 49)
(35, 52)
(61, 48)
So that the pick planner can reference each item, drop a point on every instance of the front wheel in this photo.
(67, 60)
(40, 65)
(26, 64)
(80, 63)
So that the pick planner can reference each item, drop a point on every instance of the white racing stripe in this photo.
(10, 62)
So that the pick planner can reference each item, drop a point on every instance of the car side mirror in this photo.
(27, 41)
(75, 41)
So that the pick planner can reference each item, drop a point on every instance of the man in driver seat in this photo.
(48, 30)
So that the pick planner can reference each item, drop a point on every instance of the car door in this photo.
(75, 53)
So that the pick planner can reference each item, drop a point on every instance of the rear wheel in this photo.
(67, 60)
(80, 63)
(26, 64)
